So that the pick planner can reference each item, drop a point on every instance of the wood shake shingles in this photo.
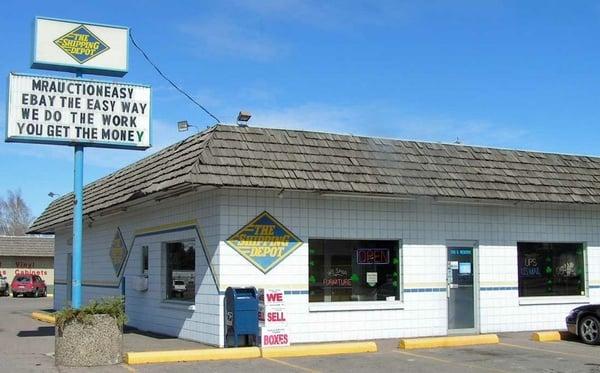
(242, 157)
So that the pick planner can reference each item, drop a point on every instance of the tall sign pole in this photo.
(77, 226)
(78, 112)
(77, 257)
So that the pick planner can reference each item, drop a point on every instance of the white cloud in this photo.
(222, 36)
(382, 120)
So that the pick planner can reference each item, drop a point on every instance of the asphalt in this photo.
(26, 345)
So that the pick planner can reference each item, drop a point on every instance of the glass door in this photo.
(461, 289)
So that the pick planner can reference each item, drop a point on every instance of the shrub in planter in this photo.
(91, 335)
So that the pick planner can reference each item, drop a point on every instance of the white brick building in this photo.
(398, 239)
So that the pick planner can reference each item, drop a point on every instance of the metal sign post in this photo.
(77, 227)
(78, 112)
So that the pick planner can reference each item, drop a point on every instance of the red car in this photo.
(28, 284)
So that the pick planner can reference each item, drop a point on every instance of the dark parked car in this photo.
(28, 284)
(584, 321)
(4, 286)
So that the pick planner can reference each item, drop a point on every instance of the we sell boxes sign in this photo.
(78, 112)
(272, 318)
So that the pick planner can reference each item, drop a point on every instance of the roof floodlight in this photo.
(243, 118)
(182, 126)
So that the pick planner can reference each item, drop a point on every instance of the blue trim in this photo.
(179, 229)
(101, 286)
(425, 290)
(287, 292)
(594, 286)
(89, 143)
(76, 68)
(7, 108)
(498, 288)
(82, 80)
(82, 22)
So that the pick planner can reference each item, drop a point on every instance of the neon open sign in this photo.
(373, 256)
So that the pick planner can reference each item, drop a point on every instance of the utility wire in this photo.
(169, 80)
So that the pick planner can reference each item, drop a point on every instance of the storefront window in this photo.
(550, 269)
(181, 265)
(353, 270)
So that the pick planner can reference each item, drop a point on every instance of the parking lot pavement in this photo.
(27, 346)
(25, 343)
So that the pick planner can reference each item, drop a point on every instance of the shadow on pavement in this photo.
(131, 330)
(42, 331)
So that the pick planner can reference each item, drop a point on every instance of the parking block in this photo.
(191, 355)
(449, 341)
(549, 336)
(319, 349)
(44, 316)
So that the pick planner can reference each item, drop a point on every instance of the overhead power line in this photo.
(169, 80)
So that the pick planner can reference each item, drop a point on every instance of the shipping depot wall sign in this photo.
(52, 110)
(264, 242)
(73, 46)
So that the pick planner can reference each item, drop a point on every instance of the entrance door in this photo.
(461, 290)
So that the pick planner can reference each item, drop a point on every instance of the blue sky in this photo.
(515, 74)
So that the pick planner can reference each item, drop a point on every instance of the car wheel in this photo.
(589, 330)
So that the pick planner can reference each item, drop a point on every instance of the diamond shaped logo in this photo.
(81, 44)
(118, 252)
(264, 242)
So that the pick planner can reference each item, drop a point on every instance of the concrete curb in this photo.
(549, 336)
(149, 357)
(155, 357)
(320, 349)
(455, 341)
(44, 316)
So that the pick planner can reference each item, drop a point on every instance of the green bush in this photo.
(114, 307)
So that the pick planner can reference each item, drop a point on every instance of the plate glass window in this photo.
(353, 270)
(181, 266)
(551, 269)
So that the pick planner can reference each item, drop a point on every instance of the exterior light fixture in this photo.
(243, 118)
(183, 126)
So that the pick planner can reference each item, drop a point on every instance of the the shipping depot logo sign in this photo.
(80, 47)
(75, 111)
(264, 242)
(81, 44)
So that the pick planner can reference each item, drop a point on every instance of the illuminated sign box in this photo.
(62, 111)
(72, 46)
(372, 256)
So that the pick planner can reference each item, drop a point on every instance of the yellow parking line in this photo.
(445, 361)
(550, 351)
(291, 365)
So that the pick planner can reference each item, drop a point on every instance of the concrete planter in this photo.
(84, 345)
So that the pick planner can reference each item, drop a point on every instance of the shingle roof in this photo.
(311, 161)
(26, 246)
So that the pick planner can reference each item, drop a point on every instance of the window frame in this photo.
(361, 305)
(165, 269)
(556, 299)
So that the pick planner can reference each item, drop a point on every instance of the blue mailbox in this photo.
(241, 314)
